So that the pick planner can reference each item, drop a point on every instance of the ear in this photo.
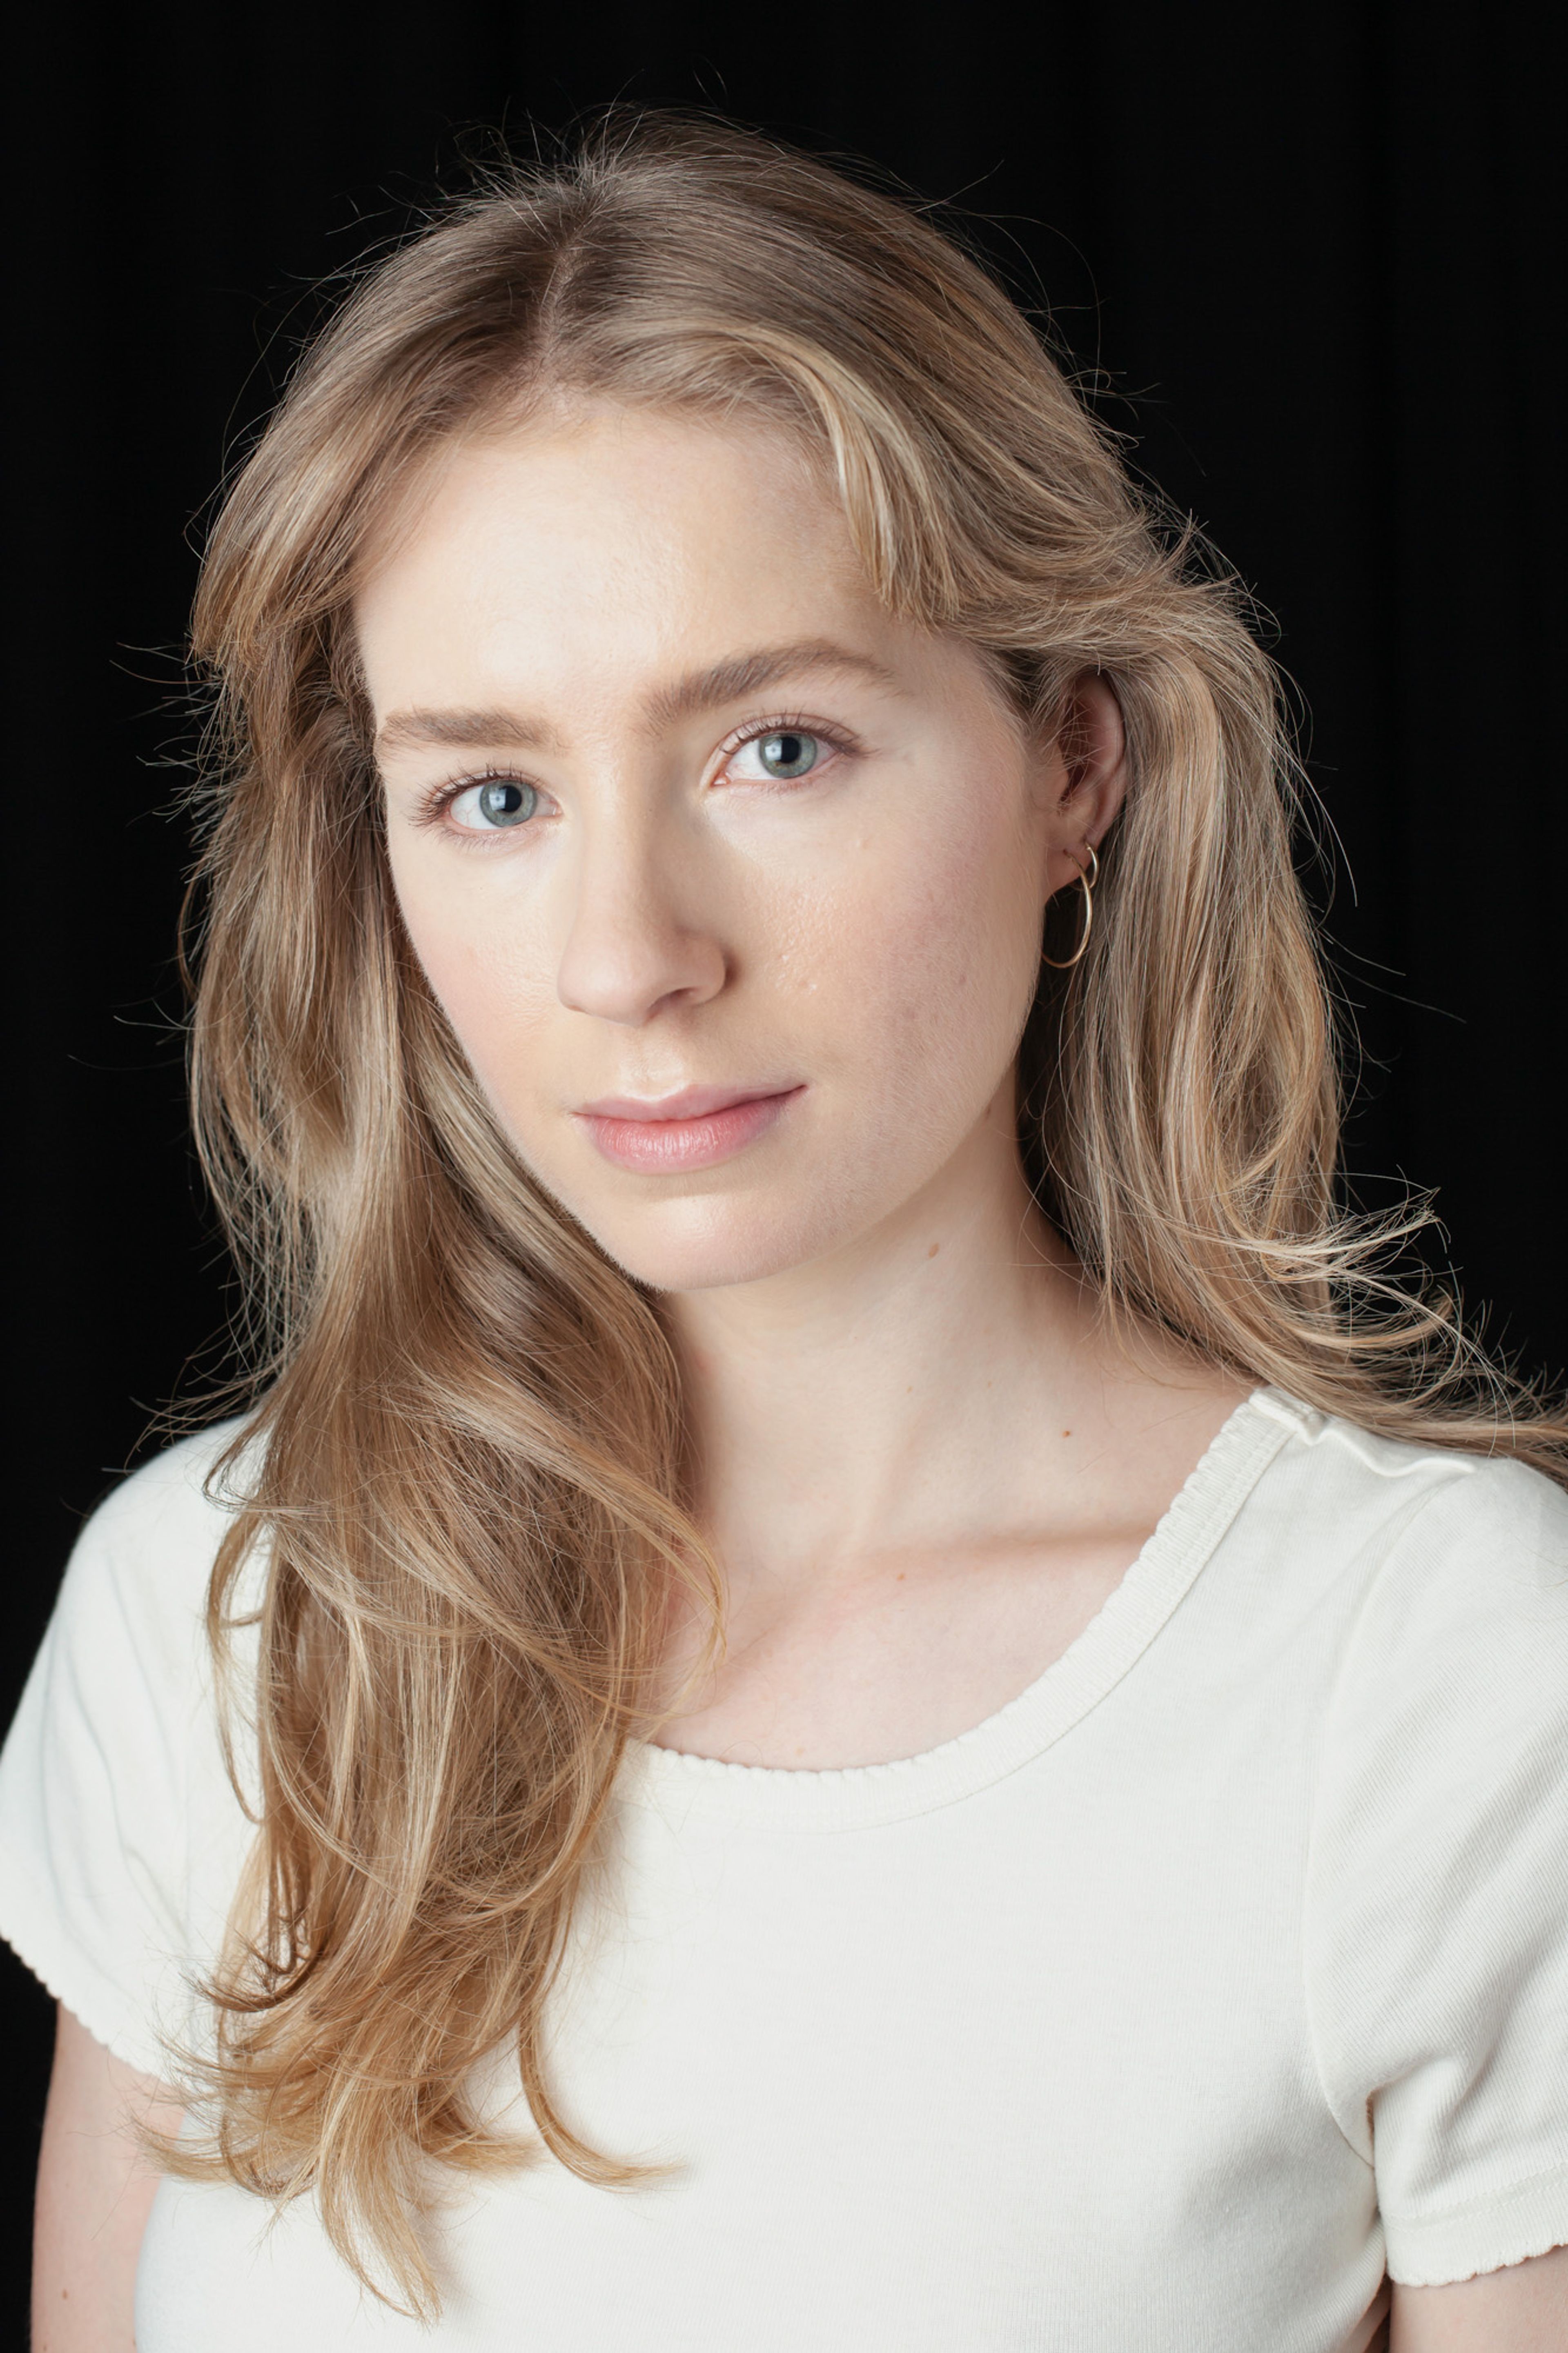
(1086, 777)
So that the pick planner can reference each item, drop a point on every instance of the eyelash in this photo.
(787, 723)
(435, 804)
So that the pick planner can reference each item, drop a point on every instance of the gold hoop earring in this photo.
(1088, 878)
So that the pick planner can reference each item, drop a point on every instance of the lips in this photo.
(696, 1127)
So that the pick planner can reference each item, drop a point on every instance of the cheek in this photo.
(930, 956)
(488, 971)
(894, 967)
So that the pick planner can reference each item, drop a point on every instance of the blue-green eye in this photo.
(491, 807)
(790, 752)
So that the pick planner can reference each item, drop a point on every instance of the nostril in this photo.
(629, 972)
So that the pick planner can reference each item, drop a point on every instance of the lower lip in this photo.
(659, 1147)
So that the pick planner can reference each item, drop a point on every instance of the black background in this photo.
(1306, 245)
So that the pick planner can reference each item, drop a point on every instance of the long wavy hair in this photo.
(462, 1466)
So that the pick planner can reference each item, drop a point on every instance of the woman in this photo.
(842, 1704)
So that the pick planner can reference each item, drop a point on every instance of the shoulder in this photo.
(182, 1494)
(1436, 1921)
(1481, 1531)
(154, 1537)
(119, 1827)
(131, 1613)
(1448, 1697)
(1436, 1585)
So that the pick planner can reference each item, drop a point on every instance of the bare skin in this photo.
(876, 1607)
(920, 1460)
(95, 2191)
(921, 1464)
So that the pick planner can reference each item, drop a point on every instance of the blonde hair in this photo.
(464, 1459)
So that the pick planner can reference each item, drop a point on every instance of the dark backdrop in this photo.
(1304, 241)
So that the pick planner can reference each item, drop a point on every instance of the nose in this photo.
(633, 948)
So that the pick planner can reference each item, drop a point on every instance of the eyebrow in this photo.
(406, 731)
(747, 674)
(731, 680)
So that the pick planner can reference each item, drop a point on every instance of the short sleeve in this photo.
(117, 1826)
(1436, 1922)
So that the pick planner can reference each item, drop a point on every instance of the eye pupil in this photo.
(788, 753)
(505, 802)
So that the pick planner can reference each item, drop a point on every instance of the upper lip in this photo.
(686, 1102)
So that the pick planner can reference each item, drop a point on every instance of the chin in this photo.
(708, 1243)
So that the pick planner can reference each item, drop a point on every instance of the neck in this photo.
(861, 1404)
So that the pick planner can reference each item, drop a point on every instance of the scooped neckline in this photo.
(849, 1797)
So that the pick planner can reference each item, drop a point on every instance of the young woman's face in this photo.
(728, 882)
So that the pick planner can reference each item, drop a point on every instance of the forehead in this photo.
(612, 536)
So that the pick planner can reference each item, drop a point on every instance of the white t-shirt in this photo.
(1160, 2013)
